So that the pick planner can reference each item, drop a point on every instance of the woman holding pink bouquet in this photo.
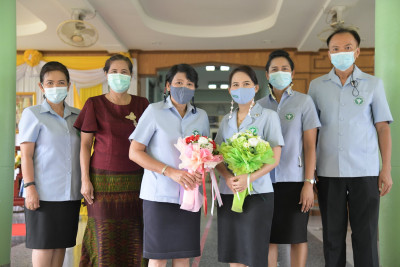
(169, 231)
(243, 238)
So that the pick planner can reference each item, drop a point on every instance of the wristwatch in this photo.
(311, 181)
(28, 184)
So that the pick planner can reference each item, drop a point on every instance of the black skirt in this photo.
(244, 237)
(54, 225)
(170, 232)
(289, 224)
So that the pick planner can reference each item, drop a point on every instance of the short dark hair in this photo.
(344, 30)
(115, 58)
(191, 73)
(279, 53)
(53, 66)
(246, 69)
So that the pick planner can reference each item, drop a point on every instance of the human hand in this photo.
(32, 198)
(239, 183)
(184, 178)
(87, 191)
(306, 197)
(229, 181)
(199, 177)
(384, 182)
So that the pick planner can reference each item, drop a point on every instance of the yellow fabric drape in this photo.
(79, 237)
(71, 62)
(85, 93)
(20, 60)
(77, 99)
(78, 62)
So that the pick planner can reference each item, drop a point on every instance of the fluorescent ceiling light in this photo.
(212, 86)
(210, 68)
(224, 68)
(224, 86)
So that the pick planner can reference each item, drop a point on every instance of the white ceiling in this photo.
(192, 25)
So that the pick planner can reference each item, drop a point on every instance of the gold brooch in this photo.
(132, 117)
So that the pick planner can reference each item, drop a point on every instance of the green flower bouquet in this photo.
(245, 153)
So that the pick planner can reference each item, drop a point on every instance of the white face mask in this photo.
(56, 94)
(280, 79)
(342, 60)
(118, 82)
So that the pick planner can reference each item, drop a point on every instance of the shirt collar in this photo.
(357, 75)
(288, 91)
(45, 107)
(168, 104)
(254, 113)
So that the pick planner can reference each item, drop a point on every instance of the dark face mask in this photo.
(182, 95)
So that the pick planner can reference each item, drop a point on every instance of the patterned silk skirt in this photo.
(114, 232)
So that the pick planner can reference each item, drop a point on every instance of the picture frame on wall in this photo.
(23, 100)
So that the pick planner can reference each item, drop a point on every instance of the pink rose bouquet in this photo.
(199, 153)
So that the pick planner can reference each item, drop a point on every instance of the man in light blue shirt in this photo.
(355, 119)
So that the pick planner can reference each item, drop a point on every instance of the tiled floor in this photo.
(21, 257)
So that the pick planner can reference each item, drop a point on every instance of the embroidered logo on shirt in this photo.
(289, 116)
(132, 117)
(253, 129)
(359, 101)
(196, 132)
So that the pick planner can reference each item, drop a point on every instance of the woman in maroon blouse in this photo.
(110, 181)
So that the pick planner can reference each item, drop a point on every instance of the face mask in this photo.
(182, 95)
(56, 94)
(280, 79)
(118, 82)
(343, 60)
(243, 95)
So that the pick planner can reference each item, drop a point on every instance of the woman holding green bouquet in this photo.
(244, 236)
(293, 178)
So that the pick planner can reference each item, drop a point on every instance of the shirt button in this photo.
(342, 104)
(340, 134)
(341, 148)
(341, 118)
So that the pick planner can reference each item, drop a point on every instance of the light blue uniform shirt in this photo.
(297, 114)
(263, 122)
(57, 145)
(347, 141)
(158, 129)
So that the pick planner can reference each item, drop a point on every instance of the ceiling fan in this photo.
(76, 31)
(335, 21)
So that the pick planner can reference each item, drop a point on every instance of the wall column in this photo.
(7, 122)
(387, 58)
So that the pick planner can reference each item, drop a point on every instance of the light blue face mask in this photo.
(280, 79)
(342, 60)
(56, 94)
(243, 95)
(118, 82)
(182, 95)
